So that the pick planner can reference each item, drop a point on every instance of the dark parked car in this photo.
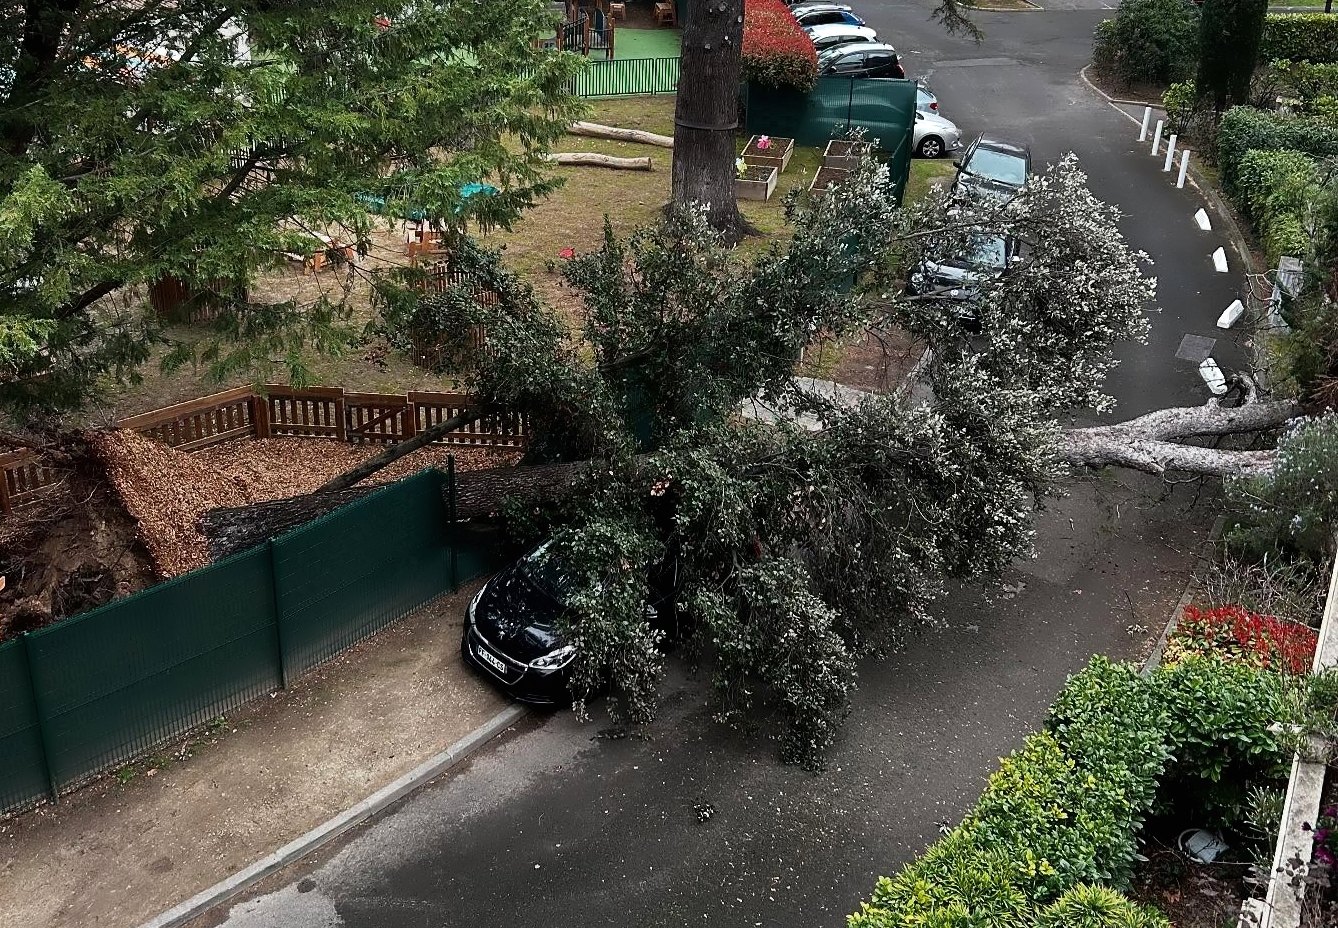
(989, 257)
(993, 167)
(863, 59)
(512, 631)
(825, 14)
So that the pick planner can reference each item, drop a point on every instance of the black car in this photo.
(959, 278)
(861, 59)
(993, 167)
(512, 630)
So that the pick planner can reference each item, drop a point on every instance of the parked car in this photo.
(865, 59)
(925, 101)
(825, 14)
(959, 279)
(825, 37)
(934, 136)
(993, 167)
(513, 633)
(797, 5)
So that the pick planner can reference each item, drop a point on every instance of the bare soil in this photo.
(1190, 894)
(879, 361)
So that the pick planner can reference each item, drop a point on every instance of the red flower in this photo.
(1261, 640)
(776, 50)
(567, 253)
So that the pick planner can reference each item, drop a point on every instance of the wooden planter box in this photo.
(756, 183)
(843, 154)
(827, 177)
(776, 155)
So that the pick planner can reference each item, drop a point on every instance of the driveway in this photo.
(689, 825)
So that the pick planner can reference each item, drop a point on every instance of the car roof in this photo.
(860, 47)
(819, 6)
(994, 143)
(838, 29)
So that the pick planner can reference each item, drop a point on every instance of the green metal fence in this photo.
(92, 692)
(626, 76)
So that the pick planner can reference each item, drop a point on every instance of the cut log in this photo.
(639, 136)
(593, 159)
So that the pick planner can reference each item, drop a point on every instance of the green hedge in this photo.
(1275, 190)
(1148, 41)
(1055, 831)
(1300, 37)
(1244, 129)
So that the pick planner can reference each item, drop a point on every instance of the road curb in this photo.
(1201, 183)
(322, 834)
(1191, 587)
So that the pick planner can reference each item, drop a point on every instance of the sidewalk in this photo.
(116, 854)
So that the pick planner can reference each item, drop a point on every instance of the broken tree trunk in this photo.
(621, 135)
(478, 493)
(426, 437)
(592, 159)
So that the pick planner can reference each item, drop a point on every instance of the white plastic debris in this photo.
(1219, 260)
(1231, 314)
(1201, 218)
(1212, 375)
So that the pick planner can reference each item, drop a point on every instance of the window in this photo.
(997, 165)
(848, 64)
(881, 64)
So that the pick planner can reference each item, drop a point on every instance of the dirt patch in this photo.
(879, 361)
(1147, 93)
(1190, 894)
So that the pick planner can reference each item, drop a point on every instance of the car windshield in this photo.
(827, 57)
(923, 96)
(998, 165)
(547, 572)
(987, 252)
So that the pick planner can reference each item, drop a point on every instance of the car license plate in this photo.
(490, 660)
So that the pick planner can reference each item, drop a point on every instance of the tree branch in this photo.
(392, 454)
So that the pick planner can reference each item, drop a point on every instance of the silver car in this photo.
(825, 37)
(934, 136)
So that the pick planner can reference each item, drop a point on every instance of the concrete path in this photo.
(686, 824)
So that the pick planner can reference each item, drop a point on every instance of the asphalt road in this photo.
(693, 825)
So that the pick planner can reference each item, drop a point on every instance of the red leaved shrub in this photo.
(1233, 631)
(776, 50)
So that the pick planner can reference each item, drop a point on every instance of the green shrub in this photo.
(1305, 80)
(1229, 40)
(1244, 129)
(1220, 712)
(1098, 907)
(1291, 510)
(1180, 101)
(1148, 41)
(1276, 190)
(1300, 37)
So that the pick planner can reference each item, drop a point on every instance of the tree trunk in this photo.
(596, 160)
(706, 116)
(617, 133)
(364, 470)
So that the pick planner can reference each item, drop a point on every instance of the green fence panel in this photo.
(118, 680)
(354, 571)
(23, 777)
(626, 76)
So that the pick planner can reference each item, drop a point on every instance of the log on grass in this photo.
(616, 133)
(592, 159)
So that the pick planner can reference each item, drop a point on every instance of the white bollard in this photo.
(1212, 375)
(1147, 120)
(1156, 139)
(1201, 218)
(1184, 169)
(1219, 260)
(1232, 313)
(1170, 154)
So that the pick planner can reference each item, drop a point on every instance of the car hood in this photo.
(517, 617)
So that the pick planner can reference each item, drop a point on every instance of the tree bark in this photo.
(364, 470)
(706, 115)
(595, 160)
(619, 134)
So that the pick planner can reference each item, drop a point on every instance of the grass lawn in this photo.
(572, 218)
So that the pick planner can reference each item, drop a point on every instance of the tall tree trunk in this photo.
(707, 112)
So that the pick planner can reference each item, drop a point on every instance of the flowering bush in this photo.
(776, 51)
(1232, 631)
(1326, 837)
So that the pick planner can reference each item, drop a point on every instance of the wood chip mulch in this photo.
(166, 491)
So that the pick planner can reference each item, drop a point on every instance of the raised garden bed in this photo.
(756, 183)
(776, 155)
(827, 177)
(842, 153)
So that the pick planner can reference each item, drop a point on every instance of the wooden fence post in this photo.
(4, 490)
(260, 415)
(341, 418)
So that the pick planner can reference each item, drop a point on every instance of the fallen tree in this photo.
(596, 160)
(639, 136)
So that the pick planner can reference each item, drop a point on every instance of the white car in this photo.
(934, 136)
(825, 37)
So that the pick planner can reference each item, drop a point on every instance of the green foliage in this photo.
(142, 143)
(1291, 510)
(1086, 906)
(1300, 37)
(1148, 41)
(1244, 129)
(1229, 38)
(1053, 837)
(1305, 81)
(1277, 190)
(1181, 103)
(1220, 712)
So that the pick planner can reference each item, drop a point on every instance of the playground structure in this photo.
(587, 27)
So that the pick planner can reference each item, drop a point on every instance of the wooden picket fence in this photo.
(330, 413)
